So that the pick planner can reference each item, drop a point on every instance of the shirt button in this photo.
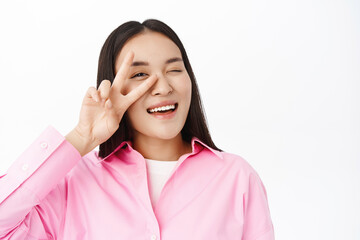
(25, 167)
(44, 145)
(153, 237)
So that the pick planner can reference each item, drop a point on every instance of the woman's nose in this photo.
(162, 86)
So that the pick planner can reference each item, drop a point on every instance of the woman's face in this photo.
(162, 111)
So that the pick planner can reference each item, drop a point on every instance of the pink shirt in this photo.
(51, 192)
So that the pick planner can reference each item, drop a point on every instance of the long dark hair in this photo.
(195, 125)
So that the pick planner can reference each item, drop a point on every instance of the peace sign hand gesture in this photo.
(103, 109)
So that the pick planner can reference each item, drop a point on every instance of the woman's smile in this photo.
(164, 111)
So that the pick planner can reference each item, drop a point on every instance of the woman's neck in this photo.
(161, 149)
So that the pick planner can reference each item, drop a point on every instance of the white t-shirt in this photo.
(158, 174)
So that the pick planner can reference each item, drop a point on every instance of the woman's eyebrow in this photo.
(139, 63)
(142, 63)
(174, 59)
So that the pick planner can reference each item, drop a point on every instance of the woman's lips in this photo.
(162, 109)
(162, 104)
(165, 115)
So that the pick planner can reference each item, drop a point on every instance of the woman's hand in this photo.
(103, 109)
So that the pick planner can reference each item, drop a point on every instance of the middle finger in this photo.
(123, 71)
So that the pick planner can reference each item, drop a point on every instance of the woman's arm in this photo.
(257, 219)
(27, 208)
(24, 201)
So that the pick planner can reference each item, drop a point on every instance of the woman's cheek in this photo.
(186, 86)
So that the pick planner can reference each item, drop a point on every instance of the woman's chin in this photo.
(167, 135)
(160, 134)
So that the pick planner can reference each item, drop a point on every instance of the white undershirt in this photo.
(158, 174)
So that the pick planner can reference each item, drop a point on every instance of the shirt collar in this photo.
(196, 145)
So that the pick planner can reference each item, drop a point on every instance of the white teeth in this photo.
(163, 108)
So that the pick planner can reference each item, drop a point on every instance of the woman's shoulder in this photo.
(237, 161)
(238, 165)
(233, 161)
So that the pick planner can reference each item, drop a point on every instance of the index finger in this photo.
(123, 70)
(141, 89)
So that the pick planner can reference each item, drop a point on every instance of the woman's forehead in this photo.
(150, 47)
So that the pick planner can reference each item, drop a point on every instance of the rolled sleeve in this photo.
(33, 175)
(258, 224)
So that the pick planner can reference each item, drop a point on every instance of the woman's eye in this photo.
(175, 70)
(139, 75)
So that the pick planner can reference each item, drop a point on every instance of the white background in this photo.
(279, 81)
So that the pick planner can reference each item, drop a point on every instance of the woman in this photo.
(158, 174)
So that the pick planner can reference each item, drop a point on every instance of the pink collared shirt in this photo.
(51, 192)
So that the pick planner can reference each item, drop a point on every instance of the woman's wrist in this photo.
(82, 144)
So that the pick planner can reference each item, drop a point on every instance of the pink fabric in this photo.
(50, 192)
